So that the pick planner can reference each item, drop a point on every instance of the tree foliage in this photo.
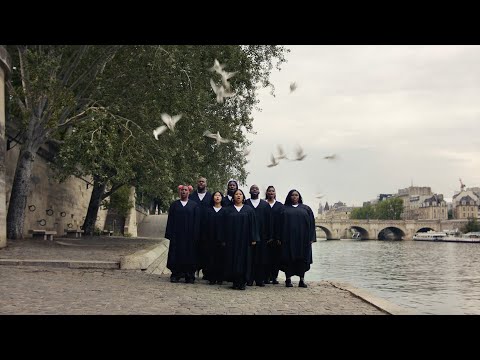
(389, 209)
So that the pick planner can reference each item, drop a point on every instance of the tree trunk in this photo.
(93, 206)
(20, 189)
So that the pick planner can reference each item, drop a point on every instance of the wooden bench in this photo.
(108, 232)
(74, 233)
(46, 234)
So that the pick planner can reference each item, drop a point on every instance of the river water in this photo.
(428, 277)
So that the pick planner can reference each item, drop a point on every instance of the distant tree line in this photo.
(389, 209)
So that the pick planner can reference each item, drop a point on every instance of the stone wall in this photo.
(50, 205)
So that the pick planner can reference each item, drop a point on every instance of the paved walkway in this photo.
(38, 289)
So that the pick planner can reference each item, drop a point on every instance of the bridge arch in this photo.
(364, 235)
(391, 233)
(327, 231)
(424, 229)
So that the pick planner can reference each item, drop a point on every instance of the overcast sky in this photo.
(392, 114)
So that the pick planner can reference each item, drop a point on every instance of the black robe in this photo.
(226, 201)
(202, 246)
(213, 233)
(263, 214)
(241, 231)
(297, 233)
(206, 199)
(274, 248)
(182, 230)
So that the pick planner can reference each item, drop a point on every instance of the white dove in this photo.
(300, 154)
(158, 131)
(216, 137)
(331, 157)
(281, 153)
(274, 161)
(217, 67)
(170, 121)
(293, 87)
(225, 77)
(220, 91)
(319, 196)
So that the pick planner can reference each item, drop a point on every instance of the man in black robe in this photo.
(203, 198)
(183, 230)
(260, 255)
(232, 186)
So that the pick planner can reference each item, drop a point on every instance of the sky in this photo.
(393, 115)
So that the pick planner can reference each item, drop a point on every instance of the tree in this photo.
(471, 226)
(49, 89)
(365, 212)
(389, 209)
(116, 146)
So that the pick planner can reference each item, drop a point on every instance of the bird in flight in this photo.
(170, 121)
(300, 154)
(331, 157)
(274, 162)
(216, 136)
(220, 91)
(293, 87)
(158, 131)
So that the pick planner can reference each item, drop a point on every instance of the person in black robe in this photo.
(274, 249)
(203, 198)
(241, 235)
(183, 230)
(297, 236)
(214, 238)
(232, 186)
(259, 251)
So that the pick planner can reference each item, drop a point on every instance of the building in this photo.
(432, 208)
(465, 203)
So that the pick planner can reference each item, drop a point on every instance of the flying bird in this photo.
(274, 162)
(220, 91)
(216, 137)
(331, 157)
(158, 131)
(217, 67)
(170, 121)
(300, 154)
(281, 153)
(293, 87)
(225, 77)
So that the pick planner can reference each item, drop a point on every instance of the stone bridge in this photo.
(383, 229)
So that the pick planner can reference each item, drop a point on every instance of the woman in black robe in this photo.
(214, 238)
(241, 235)
(183, 230)
(297, 236)
(274, 249)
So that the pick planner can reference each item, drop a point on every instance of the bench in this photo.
(46, 234)
(74, 233)
(108, 232)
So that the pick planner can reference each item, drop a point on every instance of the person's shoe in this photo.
(174, 280)
(250, 283)
(275, 282)
(189, 281)
(234, 286)
(211, 282)
(241, 287)
(288, 283)
(260, 283)
(302, 284)
(267, 281)
(220, 282)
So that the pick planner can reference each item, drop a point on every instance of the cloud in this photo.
(394, 114)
